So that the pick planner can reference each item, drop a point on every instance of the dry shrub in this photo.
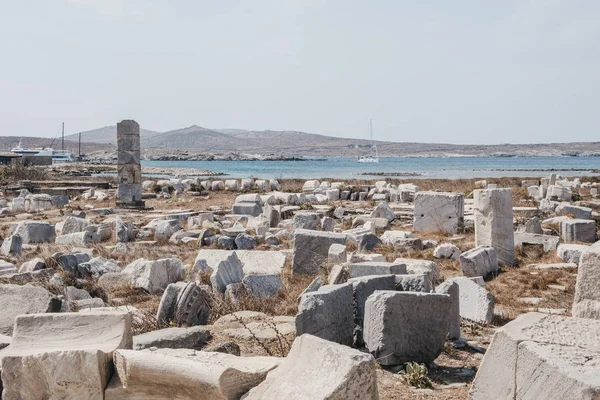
(19, 172)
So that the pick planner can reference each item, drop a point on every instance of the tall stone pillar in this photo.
(494, 222)
(129, 170)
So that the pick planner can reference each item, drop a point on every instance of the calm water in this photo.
(347, 168)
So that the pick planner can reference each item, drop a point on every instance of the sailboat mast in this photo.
(62, 145)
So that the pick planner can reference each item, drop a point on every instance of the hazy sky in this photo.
(429, 71)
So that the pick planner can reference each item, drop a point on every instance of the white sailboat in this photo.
(370, 158)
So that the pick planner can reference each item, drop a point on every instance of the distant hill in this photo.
(106, 134)
(196, 139)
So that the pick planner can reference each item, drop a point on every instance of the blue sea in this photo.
(416, 168)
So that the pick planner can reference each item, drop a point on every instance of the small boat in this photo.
(57, 155)
(370, 158)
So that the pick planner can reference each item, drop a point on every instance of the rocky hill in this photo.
(195, 140)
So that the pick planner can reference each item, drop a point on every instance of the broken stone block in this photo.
(26, 299)
(480, 261)
(323, 370)
(447, 250)
(559, 193)
(165, 229)
(549, 242)
(413, 283)
(84, 238)
(327, 313)
(575, 211)
(587, 296)
(154, 276)
(438, 211)
(33, 265)
(63, 356)
(452, 289)
(532, 225)
(337, 254)
(34, 232)
(226, 272)
(376, 268)
(383, 210)
(185, 374)
(124, 231)
(494, 222)
(261, 286)
(363, 287)
(379, 223)
(96, 267)
(571, 253)
(541, 356)
(307, 220)
(578, 230)
(311, 249)
(244, 241)
(195, 337)
(337, 275)
(402, 240)
(12, 246)
(185, 304)
(476, 303)
(73, 224)
(418, 266)
(405, 327)
(253, 261)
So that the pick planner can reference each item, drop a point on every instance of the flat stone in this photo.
(376, 268)
(480, 261)
(405, 327)
(28, 299)
(327, 313)
(323, 370)
(476, 303)
(587, 294)
(63, 356)
(540, 356)
(185, 374)
(194, 337)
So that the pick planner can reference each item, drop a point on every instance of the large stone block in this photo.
(34, 232)
(185, 304)
(27, 299)
(571, 253)
(403, 327)
(63, 356)
(437, 211)
(195, 337)
(480, 261)
(576, 211)
(453, 290)
(327, 313)
(548, 242)
(311, 249)
(154, 276)
(376, 268)
(226, 272)
(541, 356)
(185, 375)
(587, 289)
(320, 370)
(494, 222)
(476, 303)
(307, 220)
(578, 230)
(363, 287)
(253, 261)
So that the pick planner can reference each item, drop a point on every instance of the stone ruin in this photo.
(129, 169)
(360, 309)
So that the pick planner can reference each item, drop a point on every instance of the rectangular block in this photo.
(327, 313)
(494, 222)
(437, 211)
(311, 249)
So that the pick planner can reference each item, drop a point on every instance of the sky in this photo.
(462, 71)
